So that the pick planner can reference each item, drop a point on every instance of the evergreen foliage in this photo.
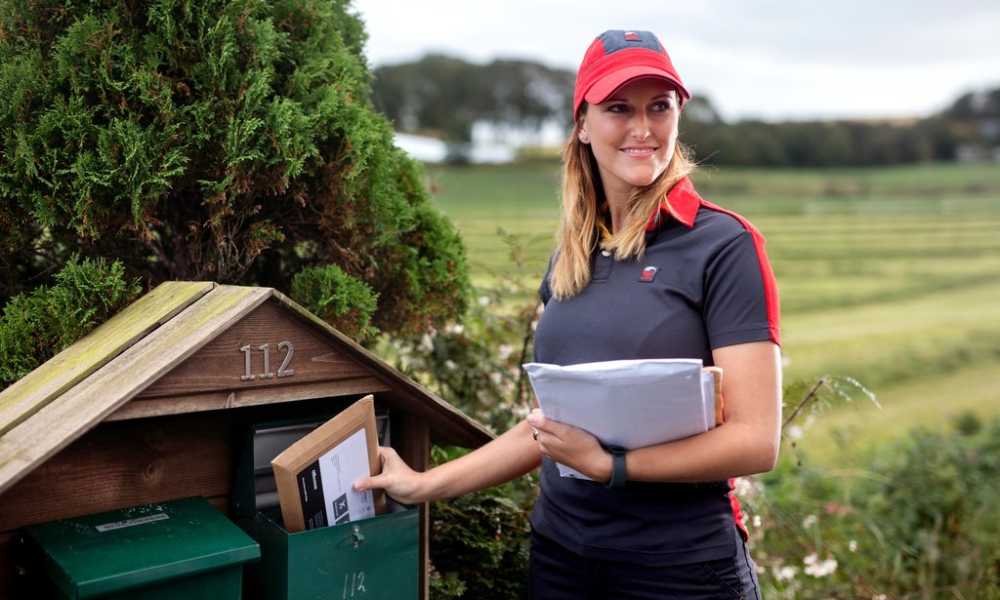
(37, 325)
(481, 540)
(225, 140)
(337, 298)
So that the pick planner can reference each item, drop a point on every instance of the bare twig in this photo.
(809, 397)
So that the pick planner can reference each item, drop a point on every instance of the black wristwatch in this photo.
(618, 474)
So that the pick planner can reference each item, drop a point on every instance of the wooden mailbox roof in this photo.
(93, 379)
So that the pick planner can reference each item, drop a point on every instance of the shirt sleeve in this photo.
(741, 297)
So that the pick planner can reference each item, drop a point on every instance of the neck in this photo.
(617, 200)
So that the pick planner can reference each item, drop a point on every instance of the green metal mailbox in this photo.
(375, 559)
(181, 549)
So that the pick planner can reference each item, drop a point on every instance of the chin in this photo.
(643, 179)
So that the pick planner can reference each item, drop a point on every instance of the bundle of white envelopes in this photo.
(627, 403)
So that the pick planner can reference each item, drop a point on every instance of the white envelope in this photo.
(627, 403)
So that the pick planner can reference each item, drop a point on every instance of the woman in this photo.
(644, 268)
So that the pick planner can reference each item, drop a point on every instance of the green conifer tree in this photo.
(225, 140)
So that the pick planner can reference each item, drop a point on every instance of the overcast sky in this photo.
(764, 59)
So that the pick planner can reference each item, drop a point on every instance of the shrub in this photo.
(337, 298)
(480, 541)
(36, 326)
(226, 140)
(919, 523)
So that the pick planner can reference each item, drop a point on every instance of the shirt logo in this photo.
(648, 273)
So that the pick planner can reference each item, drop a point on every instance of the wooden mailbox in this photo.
(143, 408)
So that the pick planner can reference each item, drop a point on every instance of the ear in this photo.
(583, 135)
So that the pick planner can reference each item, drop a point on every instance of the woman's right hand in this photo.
(402, 483)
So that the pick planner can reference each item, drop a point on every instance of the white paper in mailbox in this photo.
(628, 403)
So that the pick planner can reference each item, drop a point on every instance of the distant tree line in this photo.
(842, 142)
(443, 96)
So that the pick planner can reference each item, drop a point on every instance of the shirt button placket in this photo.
(602, 266)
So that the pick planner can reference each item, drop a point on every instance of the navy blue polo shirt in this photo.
(704, 282)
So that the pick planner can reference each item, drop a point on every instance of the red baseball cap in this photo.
(618, 56)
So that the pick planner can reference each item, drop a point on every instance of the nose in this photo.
(640, 126)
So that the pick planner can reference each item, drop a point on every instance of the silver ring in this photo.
(534, 434)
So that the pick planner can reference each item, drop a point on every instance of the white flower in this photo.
(819, 568)
(852, 545)
(484, 300)
(426, 343)
(747, 487)
(794, 432)
(808, 522)
(520, 410)
(450, 365)
(505, 350)
(784, 573)
(455, 328)
(756, 521)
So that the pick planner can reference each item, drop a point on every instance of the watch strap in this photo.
(618, 474)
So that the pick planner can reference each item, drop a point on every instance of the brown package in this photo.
(719, 405)
(306, 452)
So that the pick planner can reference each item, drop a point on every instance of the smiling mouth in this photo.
(639, 152)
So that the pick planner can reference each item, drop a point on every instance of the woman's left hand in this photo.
(571, 446)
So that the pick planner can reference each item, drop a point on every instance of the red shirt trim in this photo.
(766, 273)
(681, 203)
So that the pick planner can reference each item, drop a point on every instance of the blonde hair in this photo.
(582, 194)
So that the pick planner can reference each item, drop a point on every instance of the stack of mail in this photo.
(627, 403)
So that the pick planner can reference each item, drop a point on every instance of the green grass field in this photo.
(889, 275)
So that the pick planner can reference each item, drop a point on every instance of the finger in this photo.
(367, 483)
(552, 428)
(387, 457)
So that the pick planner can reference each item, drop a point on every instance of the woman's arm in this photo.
(746, 443)
(505, 458)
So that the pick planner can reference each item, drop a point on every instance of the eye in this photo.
(617, 107)
(663, 105)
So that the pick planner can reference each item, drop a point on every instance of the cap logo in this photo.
(648, 274)
(631, 36)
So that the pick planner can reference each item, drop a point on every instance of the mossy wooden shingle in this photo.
(71, 366)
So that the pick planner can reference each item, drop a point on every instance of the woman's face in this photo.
(632, 134)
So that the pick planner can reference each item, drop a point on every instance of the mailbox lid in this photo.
(139, 547)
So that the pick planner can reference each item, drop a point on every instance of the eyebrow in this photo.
(620, 99)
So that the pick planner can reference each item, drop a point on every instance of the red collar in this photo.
(681, 203)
